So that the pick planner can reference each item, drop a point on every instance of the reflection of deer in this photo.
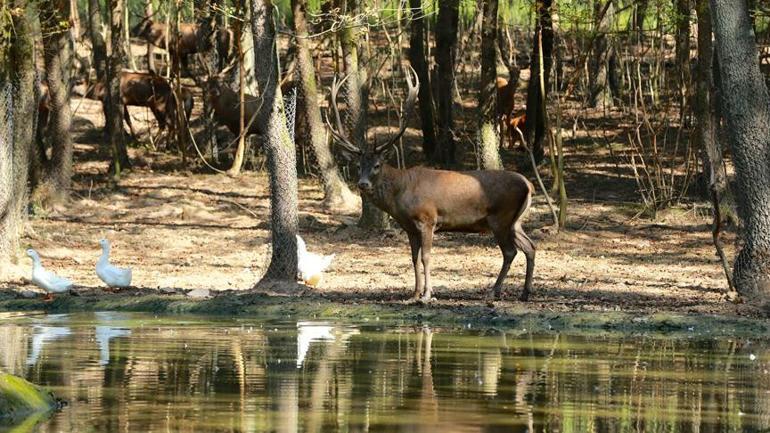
(428, 402)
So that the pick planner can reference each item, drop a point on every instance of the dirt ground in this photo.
(185, 230)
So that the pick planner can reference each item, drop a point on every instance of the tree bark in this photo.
(746, 106)
(97, 40)
(75, 18)
(705, 103)
(280, 149)
(57, 55)
(357, 102)
(599, 66)
(488, 136)
(683, 10)
(337, 195)
(113, 104)
(209, 26)
(17, 71)
(543, 32)
(419, 62)
(446, 41)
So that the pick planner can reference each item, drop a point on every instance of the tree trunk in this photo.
(705, 104)
(113, 105)
(544, 33)
(57, 54)
(599, 66)
(97, 40)
(148, 12)
(418, 59)
(17, 71)
(488, 138)
(746, 106)
(446, 41)
(239, 34)
(337, 195)
(637, 19)
(281, 155)
(209, 26)
(357, 101)
(75, 18)
(683, 9)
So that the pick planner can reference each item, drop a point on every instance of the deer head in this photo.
(372, 158)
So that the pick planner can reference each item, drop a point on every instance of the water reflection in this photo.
(141, 373)
(43, 335)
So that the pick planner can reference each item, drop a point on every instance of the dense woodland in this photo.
(668, 96)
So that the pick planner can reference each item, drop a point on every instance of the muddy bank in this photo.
(308, 305)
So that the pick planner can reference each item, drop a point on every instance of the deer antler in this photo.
(413, 83)
(339, 133)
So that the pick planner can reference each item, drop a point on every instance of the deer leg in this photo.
(415, 244)
(426, 235)
(128, 121)
(505, 240)
(526, 245)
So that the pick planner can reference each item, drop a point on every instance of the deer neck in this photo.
(387, 187)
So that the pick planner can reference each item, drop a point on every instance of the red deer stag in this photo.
(191, 39)
(226, 102)
(146, 89)
(424, 200)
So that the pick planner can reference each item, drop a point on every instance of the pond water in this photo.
(125, 372)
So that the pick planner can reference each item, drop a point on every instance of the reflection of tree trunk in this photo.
(446, 40)
(746, 106)
(490, 155)
(419, 62)
(337, 195)
(536, 132)
(17, 68)
(279, 146)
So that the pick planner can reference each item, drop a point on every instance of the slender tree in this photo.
(536, 132)
(683, 13)
(113, 105)
(488, 139)
(357, 100)
(337, 195)
(209, 26)
(446, 41)
(99, 50)
(601, 58)
(746, 107)
(57, 54)
(280, 148)
(17, 111)
(418, 59)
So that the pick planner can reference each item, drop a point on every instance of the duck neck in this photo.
(105, 254)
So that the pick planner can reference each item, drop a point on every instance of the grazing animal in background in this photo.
(520, 122)
(506, 91)
(424, 201)
(47, 280)
(111, 275)
(146, 89)
(311, 266)
(192, 39)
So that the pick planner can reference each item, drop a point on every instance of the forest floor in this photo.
(180, 230)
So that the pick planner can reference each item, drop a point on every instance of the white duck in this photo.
(309, 265)
(111, 275)
(46, 279)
